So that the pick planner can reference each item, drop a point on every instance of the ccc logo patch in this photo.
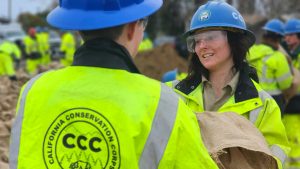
(81, 138)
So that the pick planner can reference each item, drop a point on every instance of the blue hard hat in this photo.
(217, 14)
(275, 25)
(292, 26)
(98, 14)
(169, 76)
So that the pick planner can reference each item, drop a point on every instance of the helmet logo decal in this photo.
(81, 138)
(237, 17)
(203, 16)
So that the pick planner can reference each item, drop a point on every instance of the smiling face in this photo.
(292, 40)
(213, 50)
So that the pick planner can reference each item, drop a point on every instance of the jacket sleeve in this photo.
(283, 73)
(270, 124)
(186, 141)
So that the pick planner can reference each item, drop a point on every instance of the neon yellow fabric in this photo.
(272, 68)
(181, 76)
(268, 120)
(68, 46)
(31, 45)
(128, 109)
(145, 45)
(6, 65)
(296, 62)
(292, 124)
(11, 48)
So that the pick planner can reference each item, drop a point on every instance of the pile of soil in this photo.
(154, 63)
(9, 92)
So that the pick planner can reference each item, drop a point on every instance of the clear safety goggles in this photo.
(207, 37)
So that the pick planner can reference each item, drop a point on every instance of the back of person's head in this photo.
(216, 15)
(100, 18)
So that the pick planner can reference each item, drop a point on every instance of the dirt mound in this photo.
(154, 63)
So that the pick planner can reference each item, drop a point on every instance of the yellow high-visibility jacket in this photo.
(6, 65)
(250, 101)
(11, 48)
(68, 46)
(32, 46)
(272, 68)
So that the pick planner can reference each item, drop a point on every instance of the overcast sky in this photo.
(19, 6)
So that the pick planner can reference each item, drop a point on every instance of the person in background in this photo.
(32, 52)
(67, 48)
(146, 43)
(219, 78)
(7, 66)
(100, 112)
(13, 50)
(292, 113)
(275, 75)
(43, 38)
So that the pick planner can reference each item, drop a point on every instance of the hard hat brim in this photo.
(75, 19)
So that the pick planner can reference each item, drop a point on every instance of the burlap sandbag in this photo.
(4, 165)
(234, 142)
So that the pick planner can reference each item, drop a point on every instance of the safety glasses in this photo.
(208, 37)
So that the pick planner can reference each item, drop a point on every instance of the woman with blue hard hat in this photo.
(291, 117)
(219, 77)
(266, 58)
(292, 39)
(100, 112)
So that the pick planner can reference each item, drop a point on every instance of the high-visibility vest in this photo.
(146, 44)
(68, 45)
(272, 68)
(96, 118)
(11, 48)
(262, 111)
(6, 65)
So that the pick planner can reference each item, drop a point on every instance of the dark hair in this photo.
(239, 46)
(272, 35)
(112, 33)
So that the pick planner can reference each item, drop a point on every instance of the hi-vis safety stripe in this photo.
(279, 153)
(174, 83)
(253, 115)
(17, 126)
(161, 129)
(264, 78)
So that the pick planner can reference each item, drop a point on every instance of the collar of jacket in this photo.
(104, 53)
(245, 88)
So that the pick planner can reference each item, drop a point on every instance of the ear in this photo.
(131, 28)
